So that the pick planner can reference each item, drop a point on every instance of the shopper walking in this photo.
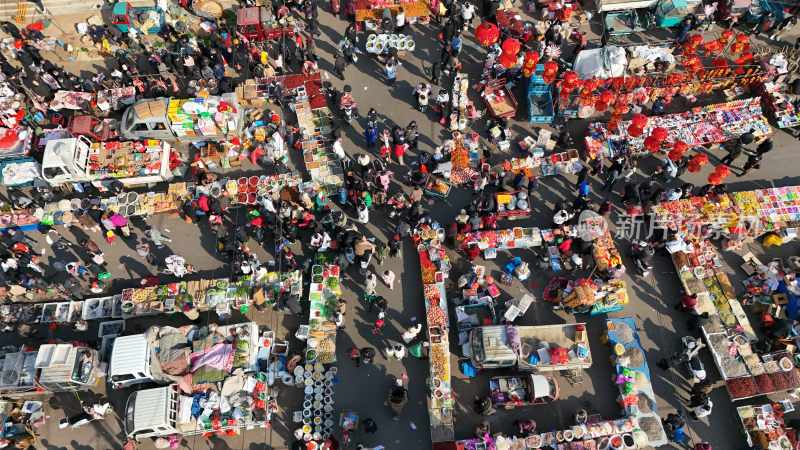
(388, 278)
(411, 333)
(735, 150)
(701, 387)
(156, 236)
(371, 283)
(753, 163)
(391, 73)
(765, 146)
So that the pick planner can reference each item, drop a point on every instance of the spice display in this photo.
(742, 387)
(634, 355)
(764, 383)
(779, 382)
(651, 426)
(438, 360)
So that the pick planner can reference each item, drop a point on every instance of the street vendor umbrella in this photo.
(508, 60)
(511, 45)
(640, 120)
(487, 34)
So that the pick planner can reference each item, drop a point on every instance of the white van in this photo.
(130, 361)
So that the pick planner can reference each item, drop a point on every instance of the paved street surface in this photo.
(660, 326)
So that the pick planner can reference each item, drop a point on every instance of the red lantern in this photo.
(548, 78)
(601, 106)
(607, 97)
(741, 37)
(563, 94)
(640, 120)
(701, 158)
(747, 58)
(736, 47)
(531, 58)
(674, 155)
(722, 170)
(727, 34)
(680, 146)
(508, 60)
(634, 131)
(660, 133)
(487, 34)
(714, 179)
(693, 167)
(550, 67)
(571, 77)
(713, 46)
(621, 108)
(511, 45)
(613, 126)
(615, 116)
(652, 144)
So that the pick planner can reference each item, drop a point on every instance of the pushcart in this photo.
(499, 99)
(437, 187)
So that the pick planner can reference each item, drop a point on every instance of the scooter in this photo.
(90, 414)
(642, 254)
(691, 347)
(347, 113)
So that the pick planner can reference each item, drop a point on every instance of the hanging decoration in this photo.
(571, 77)
(701, 158)
(680, 146)
(487, 34)
(693, 167)
(511, 45)
(652, 144)
(714, 179)
(529, 63)
(722, 170)
(639, 120)
(660, 133)
(607, 97)
(634, 131)
(508, 60)
(674, 155)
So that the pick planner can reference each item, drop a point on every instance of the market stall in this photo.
(371, 11)
(512, 204)
(588, 296)
(700, 126)
(323, 297)
(536, 163)
(434, 265)
(464, 157)
(633, 381)
(764, 425)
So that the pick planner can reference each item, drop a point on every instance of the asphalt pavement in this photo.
(660, 326)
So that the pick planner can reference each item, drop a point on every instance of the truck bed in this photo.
(554, 335)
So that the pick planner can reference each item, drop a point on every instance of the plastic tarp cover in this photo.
(173, 353)
(513, 340)
(608, 62)
(652, 53)
(20, 173)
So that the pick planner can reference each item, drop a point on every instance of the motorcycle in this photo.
(691, 347)
(347, 104)
(643, 254)
(90, 414)
(177, 266)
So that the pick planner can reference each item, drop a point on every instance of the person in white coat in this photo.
(363, 213)
(399, 350)
(410, 334)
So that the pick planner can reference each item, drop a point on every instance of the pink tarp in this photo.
(220, 356)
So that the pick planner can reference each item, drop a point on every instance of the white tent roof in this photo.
(608, 62)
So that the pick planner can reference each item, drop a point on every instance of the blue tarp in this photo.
(793, 305)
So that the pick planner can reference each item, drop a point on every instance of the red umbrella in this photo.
(640, 120)
(508, 60)
(511, 45)
(634, 131)
(487, 34)
(660, 133)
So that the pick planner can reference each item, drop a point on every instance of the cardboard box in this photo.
(142, 110)
(158, 108)
(580, 335)
(780, 299)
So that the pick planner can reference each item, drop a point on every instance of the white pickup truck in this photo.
(530, 348)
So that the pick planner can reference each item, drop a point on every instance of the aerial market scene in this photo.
(396, 224)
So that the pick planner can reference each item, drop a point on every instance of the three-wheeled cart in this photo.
(539, 98)
(499, 99)
(512, 205)
(437, 187)
(126, 15)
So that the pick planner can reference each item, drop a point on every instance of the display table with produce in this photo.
(764, 425)
(434, 265)
(728, 333)
(504, 239)
(323, 297)
(633, 380)
(700, 126)
(372, 10)
(538, 165)
(587, 296)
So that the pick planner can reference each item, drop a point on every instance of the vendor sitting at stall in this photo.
(205, 178)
